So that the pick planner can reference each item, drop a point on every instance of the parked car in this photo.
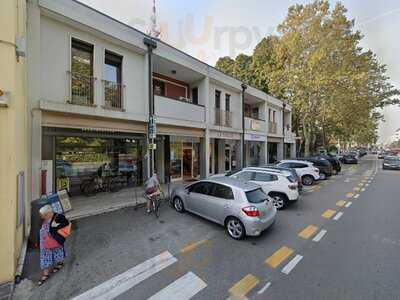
(350, 159)
(305, 170)
(281, 186)
(324, 166)
(381, 154)
(243, 208)
(292, 171)
(335, 162)
(391, 163)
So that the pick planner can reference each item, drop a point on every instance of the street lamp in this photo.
(151, 128)
(244, 88)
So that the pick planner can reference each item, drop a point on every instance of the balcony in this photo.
(113, 95)
(223, 118)
(272, 128)
(82, 89)
(252, 124)
(179, 110)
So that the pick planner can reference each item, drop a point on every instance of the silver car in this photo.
(242, 207)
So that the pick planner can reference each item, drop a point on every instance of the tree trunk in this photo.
(307, 140)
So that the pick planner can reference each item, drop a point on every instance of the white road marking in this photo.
(338, 216)
(290, 266)
(264, 288)
(319, 236)
(356, 196)
(348, 204)
(119, 284)
(183, 288)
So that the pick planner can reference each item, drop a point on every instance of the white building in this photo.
(89, 96)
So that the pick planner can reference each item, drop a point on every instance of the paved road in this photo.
(340, 241)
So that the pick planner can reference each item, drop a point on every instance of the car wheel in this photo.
(308, 180)
(322, 176)
(280, 200)
(178, 205)
(235, 228)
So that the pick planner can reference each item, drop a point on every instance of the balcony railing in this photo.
(82, 88)
(113, 95)
(223, 118)
(272, 127)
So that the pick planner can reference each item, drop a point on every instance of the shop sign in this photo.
(152, 146)
(255, 137)
(224, 135)
(152, 128)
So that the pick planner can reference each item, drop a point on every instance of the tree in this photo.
(316, 64)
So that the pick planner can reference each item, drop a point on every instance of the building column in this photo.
(263, 157)
(293, 150)
(205, 155)
(221, 156)
(280, 153)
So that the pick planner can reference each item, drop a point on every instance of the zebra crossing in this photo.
(182, 288)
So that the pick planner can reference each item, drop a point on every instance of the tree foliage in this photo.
(317, 65)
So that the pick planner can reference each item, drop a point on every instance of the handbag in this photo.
(151, 190)
(50, 242)
(65, 231)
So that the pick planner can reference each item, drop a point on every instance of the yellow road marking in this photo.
(356, 189)
(349, 195)
(340, 203)
(243, 286)
(279, 256)
(307, 232)
(328, 213)
(192, 246)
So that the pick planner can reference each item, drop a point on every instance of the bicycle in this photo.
(155, 202)
(95, 184)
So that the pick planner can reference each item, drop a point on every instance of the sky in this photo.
(209, 29)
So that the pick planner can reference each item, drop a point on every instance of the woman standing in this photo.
(52, 253)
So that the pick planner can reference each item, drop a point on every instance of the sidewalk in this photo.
(101, 203)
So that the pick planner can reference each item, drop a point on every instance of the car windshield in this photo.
(291, 178)
(256, 196)
(393, 160)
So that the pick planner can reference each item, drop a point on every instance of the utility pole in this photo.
(243, 148)
(151, 128)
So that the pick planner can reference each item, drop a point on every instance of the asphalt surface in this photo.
(357, 258)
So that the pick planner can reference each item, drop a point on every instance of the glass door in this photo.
(228, 159)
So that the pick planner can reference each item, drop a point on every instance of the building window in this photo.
(218, 113)
(269, 115)
(81, 72)
(159, 87)
(112, 80)
(195, 95)
(227, 102)
(255, 113)
(217, 99)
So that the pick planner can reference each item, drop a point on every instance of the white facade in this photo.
(52, 26)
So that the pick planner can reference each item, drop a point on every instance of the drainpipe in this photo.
(243, 148)
(151, 127)
(283, 127)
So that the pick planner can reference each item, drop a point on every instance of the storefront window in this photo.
(176, 159)
(255, 153)
(79, 158)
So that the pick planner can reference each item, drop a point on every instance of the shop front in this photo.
(76, 150)
(255, 149)
(177, 156)
(224, 152)
(76, 156)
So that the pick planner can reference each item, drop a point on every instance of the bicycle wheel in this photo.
(90, 189)
(156, 204)
(115, 185)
